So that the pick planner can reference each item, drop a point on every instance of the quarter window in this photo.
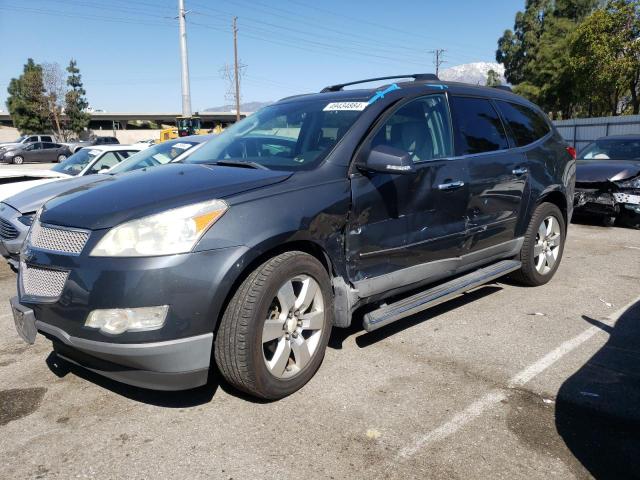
(477, 126)
(420, 127)
(526, 125)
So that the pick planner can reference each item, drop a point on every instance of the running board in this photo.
(434, 296)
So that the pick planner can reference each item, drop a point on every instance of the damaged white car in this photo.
(608, 180)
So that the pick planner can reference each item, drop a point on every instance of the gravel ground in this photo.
(504, 382)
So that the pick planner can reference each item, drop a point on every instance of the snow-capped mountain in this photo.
(475, 73)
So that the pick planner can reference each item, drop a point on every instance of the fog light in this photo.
(120, 320)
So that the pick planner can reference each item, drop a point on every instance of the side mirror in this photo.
(104, 170)
(386, 159)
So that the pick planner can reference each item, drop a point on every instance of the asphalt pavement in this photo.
(504, 382)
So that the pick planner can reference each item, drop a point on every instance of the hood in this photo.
(588, 171)
(119, 198)
(29, 173)
(35, 195)
(9, 145)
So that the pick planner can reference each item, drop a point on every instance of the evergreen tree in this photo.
(75, 101)
(493, 79)
(26, 101)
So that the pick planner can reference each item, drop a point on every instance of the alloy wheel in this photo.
(547, 246)
(291, 334)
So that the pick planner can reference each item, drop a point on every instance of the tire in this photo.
(536, 271)
(61, 158)
(17, 160)
(608, 221)
(259, 309)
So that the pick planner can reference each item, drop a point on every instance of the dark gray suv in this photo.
(248, 254)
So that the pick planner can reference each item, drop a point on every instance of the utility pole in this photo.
(235, 66)
(186, 89)
(438, 58)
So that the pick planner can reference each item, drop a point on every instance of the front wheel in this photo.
(543, 246)
(17, 160)
(274, 332)
(61, 158)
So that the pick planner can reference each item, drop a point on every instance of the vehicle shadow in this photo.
(598, 408)
(339, 335)
(179, 399)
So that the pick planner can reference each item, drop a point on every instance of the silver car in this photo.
(17, 211)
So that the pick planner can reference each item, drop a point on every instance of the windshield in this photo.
(612, 150)
(153, 156)
(20, 139)
(290, 136)
(77, 162)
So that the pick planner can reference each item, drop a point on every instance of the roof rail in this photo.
(503, 87)
(416, 77)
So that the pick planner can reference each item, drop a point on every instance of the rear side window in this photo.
(477, 126)
(526, 124)
(46, 138)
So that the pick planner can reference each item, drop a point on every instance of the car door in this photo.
(49, 152)
(407, 228)
(497, 174)
(32, 152)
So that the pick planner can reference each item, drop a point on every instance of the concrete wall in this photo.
(8, 134)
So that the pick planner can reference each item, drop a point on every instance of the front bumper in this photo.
(12, 234)
(599, 202)
(174, 357)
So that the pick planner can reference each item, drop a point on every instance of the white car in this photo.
(96, 159)
(86, 161)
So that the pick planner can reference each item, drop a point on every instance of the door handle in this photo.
(451, 185)
(519, 171)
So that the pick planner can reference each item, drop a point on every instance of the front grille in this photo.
(57, 239)
(42, 282)
(7, 231)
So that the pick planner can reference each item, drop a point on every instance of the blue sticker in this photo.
(437, 87)
(380, 95)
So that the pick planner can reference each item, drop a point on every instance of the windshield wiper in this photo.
(241, 164)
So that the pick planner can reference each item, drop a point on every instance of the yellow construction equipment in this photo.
(186, 126)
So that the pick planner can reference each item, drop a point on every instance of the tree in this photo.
(75, 101)
(605, 58)
(55, 87)
(26, 101)
(535, 53)
(493, 79)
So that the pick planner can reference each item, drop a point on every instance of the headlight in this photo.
(633, 183)
(10, 153)
(166, 233)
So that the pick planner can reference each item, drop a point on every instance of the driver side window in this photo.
(420, 128)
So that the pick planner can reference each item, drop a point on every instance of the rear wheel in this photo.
(61, 158)
(274, 332)
(543, 246)
(18, 160)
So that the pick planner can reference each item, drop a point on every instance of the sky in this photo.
(128, 50)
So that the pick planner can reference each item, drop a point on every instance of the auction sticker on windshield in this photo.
(345, 106)
(182, 146)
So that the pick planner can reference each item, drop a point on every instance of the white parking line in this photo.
(494, 397)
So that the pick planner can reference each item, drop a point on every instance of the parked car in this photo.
(15, 180)
(17, 211)
(275, 231)
(87, 161)
(35, 152)
(23, 139)
(78, 144)
(608, 180)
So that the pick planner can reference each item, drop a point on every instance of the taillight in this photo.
(572, 152)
